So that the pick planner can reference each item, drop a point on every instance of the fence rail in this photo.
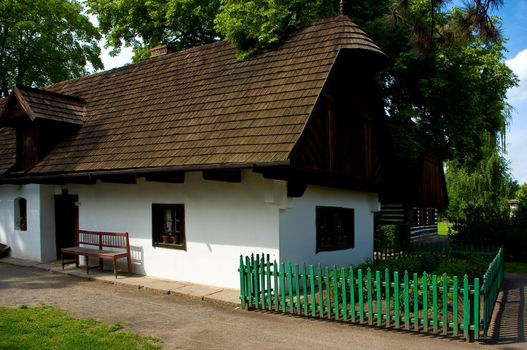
(426, 303)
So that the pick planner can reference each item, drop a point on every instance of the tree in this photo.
(257, 24)
(44, 41)
(487, 187)
(521, 195)
(145, 24)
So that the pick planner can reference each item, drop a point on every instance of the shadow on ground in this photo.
(510, 326)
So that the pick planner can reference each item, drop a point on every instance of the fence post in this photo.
(320, 291)
(466, 307)
(455, 301)
(344, 294)
(352, 294)
(304, 287)
(276, 288)
(269, 287)
(434, 302)
(416, 301)
(387, 296)
(425, 301)
(360, 289)
(445, 304)
(312, 285)
(476, 308)
(378, 288)
(242, 283)
(335, 292)
(396, 309)
(262, 283)
(328, 289)
(282, 286)
(370, 301)
(406, 302)
(290, 286)
(297, 288)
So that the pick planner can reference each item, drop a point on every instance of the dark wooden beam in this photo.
(231, 175)
(296, 188)
(118, 178)
(172, 177)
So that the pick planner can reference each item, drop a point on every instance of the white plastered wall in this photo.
(298, 230)
(40, 222)
(222, 221)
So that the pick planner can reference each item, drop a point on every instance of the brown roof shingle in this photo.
(201, 106)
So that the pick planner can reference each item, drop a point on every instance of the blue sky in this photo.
(514, 27)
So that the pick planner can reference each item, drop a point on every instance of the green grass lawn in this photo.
(46, 327)
(513, 266)
(442, 228)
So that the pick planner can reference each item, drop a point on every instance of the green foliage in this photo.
(146, 24)
(473, 266)
(444, 94)
(517, 267)
(46, 327)
(493, 226)
(488, 185)
(392, 235)
(44, 41)
(521, 195)
(257, 24)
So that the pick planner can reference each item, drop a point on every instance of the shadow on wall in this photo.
(138, 262)
(4, 250)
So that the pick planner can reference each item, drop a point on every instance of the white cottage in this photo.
(201, 157)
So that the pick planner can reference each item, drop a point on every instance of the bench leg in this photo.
(114, 267)
(87, 265)
(101, 264)
(129, 264)
(62, 257)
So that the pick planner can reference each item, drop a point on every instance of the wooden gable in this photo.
(342, 140)
(41, 119)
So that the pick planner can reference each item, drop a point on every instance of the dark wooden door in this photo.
(66, 220)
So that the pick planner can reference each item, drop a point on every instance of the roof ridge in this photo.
(51, 93)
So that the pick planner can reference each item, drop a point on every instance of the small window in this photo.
(335, 228)
(168, 226)
(21, 214)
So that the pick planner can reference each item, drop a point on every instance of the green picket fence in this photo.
(410, 249)
(424, 303)
(492, 283)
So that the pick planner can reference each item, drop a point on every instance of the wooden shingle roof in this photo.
(201, 106)
(42, 104)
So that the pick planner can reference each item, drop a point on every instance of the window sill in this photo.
(334, 248)
(170, 246)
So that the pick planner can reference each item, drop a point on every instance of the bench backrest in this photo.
(103, 239)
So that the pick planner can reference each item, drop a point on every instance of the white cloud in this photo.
(516, 146)
(519, 66)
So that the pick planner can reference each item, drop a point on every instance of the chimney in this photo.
(159, 51)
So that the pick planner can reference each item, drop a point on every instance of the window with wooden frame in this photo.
(335, 228)
(168, 226)
(20, 214)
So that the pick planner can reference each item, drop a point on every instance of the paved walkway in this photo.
(216, 294)
(509, 326)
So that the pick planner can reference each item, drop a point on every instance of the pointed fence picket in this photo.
(424, 303)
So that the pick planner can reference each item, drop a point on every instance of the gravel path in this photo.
(189, 323)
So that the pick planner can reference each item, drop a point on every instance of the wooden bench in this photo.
(95, 244)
